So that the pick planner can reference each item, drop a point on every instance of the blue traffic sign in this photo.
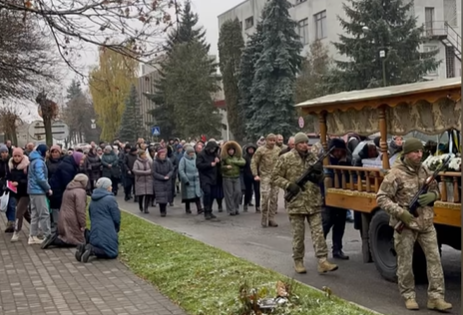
(155, 131)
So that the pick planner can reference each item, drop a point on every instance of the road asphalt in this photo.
(355, 281)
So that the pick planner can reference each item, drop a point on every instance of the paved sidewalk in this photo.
(52, 282)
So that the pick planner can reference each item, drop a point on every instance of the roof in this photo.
(382, 93)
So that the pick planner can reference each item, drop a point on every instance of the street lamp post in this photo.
(383, 54)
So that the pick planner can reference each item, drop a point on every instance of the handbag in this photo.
(4, 199)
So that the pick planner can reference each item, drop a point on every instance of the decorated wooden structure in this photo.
(429, 107)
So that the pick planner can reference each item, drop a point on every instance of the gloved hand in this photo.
(187, 184)
(426, 199)
(406, 217)
(318, 167)
(293, 189)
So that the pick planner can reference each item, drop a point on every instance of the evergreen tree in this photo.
(186, 32)
(373, 25)
(74, 90)
(131, 124)
(231, 44)
(249, 57)
(191, 80)
(272, 104)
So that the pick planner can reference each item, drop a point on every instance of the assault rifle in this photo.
(413, 207)
(301, 181)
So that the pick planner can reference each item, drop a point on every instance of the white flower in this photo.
(455, 164)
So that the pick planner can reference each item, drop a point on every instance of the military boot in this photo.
(324, 266)
(410, 304)
(299, 266)
(263, 222)
(439, 305)
(272, 223)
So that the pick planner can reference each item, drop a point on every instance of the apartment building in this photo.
(318, 19)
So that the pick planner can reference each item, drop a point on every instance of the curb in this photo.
(361, 307)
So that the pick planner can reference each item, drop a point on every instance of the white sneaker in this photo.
(34, 240)
(15, 237)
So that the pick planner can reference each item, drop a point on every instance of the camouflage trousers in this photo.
(404, 244)
(268, 199)
(316, 232)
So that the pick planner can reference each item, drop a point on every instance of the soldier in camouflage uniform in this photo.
(262, 164)
(306, 205)
(399, 186)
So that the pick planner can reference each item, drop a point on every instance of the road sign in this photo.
(59, 130)
(301, 122)
(156, 131)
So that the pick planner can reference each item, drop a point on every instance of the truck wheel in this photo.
(382, 246)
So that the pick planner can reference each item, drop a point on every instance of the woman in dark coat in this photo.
(162, 173)
(68, 169)
(142, 169)
(105, 219)
(54, 160)
(111, 167)
(92, 168)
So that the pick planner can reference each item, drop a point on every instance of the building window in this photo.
(241, 25)
(249, 22)
(303, 30)
(429, 48)
(429, 21)
(320, 24)
(300, 1)
(450, 61)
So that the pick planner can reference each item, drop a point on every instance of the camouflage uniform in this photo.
(262, 164)
(305, 206)
(396, 191)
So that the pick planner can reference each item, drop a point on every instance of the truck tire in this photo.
(382, 246)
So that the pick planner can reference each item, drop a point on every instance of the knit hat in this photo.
(270, 136)
(412, 145)
(300, 137)
(337, 144)
(108, 147)
(42, 149)
(141, 152)
(134, 149)
(189, 149)
(55, 147)
(162, 151)
(81, 178)
(3, 148)
(78, 156)
(104, 183)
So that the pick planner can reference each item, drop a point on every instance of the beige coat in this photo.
(72, 215)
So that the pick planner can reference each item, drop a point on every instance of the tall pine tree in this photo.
(191, 80)
(372, 25)
(131, 124)
(186, 32)
(272, 89)
(231, 44)
(249, 57)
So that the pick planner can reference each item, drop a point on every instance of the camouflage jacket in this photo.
(289, 168)
(397, 190)
(264, 160)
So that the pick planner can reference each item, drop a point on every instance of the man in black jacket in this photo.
(207, 162)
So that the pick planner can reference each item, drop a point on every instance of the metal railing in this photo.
(442, 29)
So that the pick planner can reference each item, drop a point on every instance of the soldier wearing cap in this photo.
(404, 180)
(307, 203)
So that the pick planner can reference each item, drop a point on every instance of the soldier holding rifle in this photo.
(399, 187)
(305, 202)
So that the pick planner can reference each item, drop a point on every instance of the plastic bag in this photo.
(4, 199)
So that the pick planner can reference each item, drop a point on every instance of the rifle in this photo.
(301, 181)
(414, 202)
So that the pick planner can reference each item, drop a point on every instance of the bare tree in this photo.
(48, 110)
(10, 117)
(25, 58)
(132, 27)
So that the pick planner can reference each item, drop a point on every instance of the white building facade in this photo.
(318, 19)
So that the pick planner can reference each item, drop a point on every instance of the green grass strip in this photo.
(205, 280)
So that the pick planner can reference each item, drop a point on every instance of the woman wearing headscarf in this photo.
(189, 177)
(111, 167)
(53, 160)
(18, 166)
(105, 219)
(72, 215)
(68, 169)
(162, 172)
(142, 169)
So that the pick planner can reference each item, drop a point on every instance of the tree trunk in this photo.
(48, 134)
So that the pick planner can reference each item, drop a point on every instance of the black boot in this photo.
(339, 254)
(146, 205)
(140, 203)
